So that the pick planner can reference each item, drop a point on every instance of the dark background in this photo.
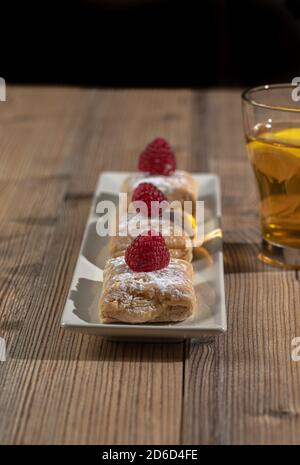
(150, 42)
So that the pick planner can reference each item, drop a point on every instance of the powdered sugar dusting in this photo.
(173, 281)
(166, 184)
(134, 224)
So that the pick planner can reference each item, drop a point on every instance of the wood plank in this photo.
(69, 388)
(242, 388)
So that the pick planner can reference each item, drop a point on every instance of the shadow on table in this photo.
(82, 347)
(242, 257)
(56, 344)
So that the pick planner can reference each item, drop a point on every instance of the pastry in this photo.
(177, 241)
(163, 295)
(179, 186)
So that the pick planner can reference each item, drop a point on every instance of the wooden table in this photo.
(66, 388)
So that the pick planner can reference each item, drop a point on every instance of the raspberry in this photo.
(148, 193)
(158, 158)
(147, 252)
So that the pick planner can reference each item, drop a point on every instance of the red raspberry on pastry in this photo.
(158, 158)
(149, 193)
(147, 252)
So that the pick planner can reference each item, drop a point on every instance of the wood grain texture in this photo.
(64, 388)
(243, 388)
(67, 388)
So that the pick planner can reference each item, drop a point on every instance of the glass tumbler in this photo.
(271, 116)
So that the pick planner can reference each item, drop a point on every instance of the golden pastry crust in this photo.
(180, 246)
(166, 295)
(179, 186)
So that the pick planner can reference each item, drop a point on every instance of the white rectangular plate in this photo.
(82, 306)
